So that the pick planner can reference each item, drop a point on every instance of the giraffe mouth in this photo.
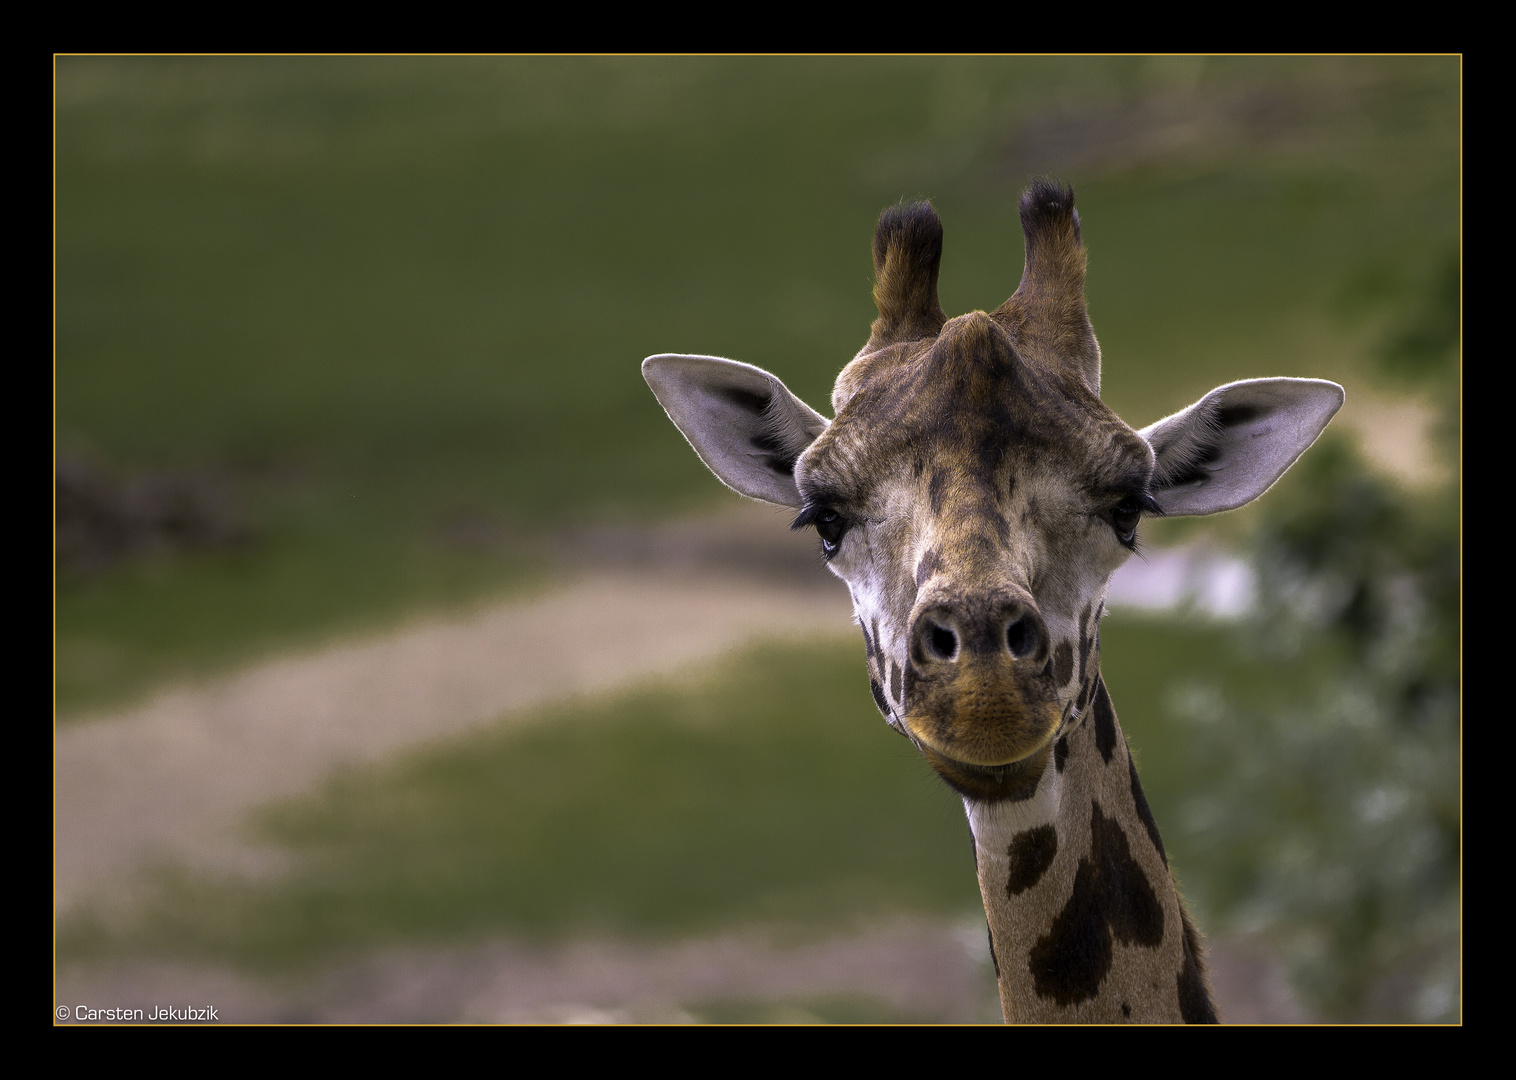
(983, 746)
(975, 718)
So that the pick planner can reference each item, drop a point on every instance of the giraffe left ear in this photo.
(1230, 446)
(743, 422)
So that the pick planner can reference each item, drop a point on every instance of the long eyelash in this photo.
(806, 517)
(1148, 505)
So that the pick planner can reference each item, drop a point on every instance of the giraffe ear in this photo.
(743, 422)
(1230, 446)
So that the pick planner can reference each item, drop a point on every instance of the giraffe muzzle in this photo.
(978, 689)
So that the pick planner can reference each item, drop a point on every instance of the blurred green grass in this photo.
(369, 295)
(744, 798)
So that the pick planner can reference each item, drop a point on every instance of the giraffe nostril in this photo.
(942, 643)
(1022, 637)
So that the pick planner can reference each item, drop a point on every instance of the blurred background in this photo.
(347, 355)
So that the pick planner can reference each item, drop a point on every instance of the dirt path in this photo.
(174, 777)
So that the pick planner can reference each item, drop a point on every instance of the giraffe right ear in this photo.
(743, 422)
(1230, 446)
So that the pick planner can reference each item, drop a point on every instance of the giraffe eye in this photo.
(830, 526)
(1124, 520)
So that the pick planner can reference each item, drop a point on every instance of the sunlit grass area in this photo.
(363, 300)
(769, 793)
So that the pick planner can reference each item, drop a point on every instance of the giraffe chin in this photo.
(1011, 782)
(981, 709)
(986, 742)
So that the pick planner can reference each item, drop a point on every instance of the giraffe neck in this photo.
(1085, 921)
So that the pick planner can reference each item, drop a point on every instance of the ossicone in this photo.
(907, 258)
(1046, 317)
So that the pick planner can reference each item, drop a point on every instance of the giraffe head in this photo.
(975, 493)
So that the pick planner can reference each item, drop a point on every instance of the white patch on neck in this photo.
(996, 824)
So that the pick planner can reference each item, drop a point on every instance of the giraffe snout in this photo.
(977, 688)
(996, 629)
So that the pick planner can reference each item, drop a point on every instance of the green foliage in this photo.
(1424, 346)
(1421, 350)
(1333, 824)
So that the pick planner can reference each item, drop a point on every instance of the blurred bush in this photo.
(1332, 814)
(101, 519)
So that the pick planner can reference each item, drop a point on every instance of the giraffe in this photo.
(976, 495)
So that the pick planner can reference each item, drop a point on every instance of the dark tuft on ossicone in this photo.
(907, 256)
(1047, 205)
(915, 230)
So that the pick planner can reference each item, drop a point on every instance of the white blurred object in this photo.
(1197, 577)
